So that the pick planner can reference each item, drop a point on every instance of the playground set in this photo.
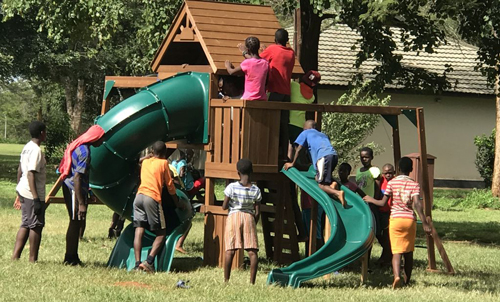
(180, 106)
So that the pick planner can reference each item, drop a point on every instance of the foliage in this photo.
(20, 106)
(449, 200)
(348, 131)
(59, 132)
(485, 156)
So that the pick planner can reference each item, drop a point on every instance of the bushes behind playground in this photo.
(459, 200)
(348, 131)
(485, 156)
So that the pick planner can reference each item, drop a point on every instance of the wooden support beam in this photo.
(440, 247)
(184, 68)
(431, 256)
(131, 82)
(183, 144)
(313, 227)
(396, 144)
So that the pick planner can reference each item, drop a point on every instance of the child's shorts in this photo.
(325, 166)
(241, 232)
(148, 213)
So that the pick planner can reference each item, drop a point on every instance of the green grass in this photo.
(471, 239)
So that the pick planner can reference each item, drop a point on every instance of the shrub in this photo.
(485, 156)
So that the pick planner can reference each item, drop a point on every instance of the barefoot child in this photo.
(242, 199)
(323, 155)
(148, 211)
(403, 225)
(255, 69)
(384, 214)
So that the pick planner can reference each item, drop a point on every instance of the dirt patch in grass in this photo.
(132, 284)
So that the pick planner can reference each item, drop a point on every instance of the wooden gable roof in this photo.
(219, 27)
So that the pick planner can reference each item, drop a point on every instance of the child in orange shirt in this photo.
(148, 211)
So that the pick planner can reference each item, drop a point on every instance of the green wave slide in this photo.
(351, 234)
(174, 108)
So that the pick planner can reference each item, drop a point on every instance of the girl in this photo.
(255, 69)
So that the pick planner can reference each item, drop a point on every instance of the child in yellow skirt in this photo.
(403, 225)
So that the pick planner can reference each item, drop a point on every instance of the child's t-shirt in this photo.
(383, 187)
(187, 179)
(402, 189)
(366, 180)
(255, 78)
(351, 186)
(241, 198)
(297, 118)
(32, 159)
(155, 173)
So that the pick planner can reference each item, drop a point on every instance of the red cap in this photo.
(311, 78)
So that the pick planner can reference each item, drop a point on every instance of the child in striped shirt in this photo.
(242, 198)
(402, 225)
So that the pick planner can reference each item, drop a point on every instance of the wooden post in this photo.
(396, 144)
(364, 268)
(440, 247)
(297, 32)
(431, 256)
(312, 227)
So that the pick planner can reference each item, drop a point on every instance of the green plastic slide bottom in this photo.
(351, 234)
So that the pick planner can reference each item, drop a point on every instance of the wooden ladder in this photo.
(280, 238)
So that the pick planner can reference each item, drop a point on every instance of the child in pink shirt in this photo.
(255, 69)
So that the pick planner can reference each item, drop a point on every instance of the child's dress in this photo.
(255, 78)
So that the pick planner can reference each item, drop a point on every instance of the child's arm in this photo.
(297, 151)
(377, 202)
(417, 205)
(225, 204)
(360, 192)
(231, 69)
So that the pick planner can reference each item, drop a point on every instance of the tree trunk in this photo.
(495, 182)
(75, 102)
(310, 30)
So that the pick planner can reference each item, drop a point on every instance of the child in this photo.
(148, 212)
(384, 214)
(403, 225)
(323, 155)
(344, 172)
(255, 69)
(242, 199)
(31, 193)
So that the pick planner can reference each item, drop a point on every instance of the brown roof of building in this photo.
(336, 61)
(219, 27)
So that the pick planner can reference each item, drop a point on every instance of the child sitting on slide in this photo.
(255, 69)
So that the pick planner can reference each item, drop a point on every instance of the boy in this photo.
(148, 211)
(403, 225)
(31, 192)
(344, 172)
(384, 214)
(323, 155)
(242, 198)
(75, 168)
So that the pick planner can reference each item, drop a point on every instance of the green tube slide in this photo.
(351, 234)
(175, 108)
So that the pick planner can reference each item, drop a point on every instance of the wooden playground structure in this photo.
(202, 36)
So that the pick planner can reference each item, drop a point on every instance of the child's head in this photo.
(252, 44)
(244, 167)
(281, 36)
(388, 171)
(405, 165)
(231, 86)
(38, 130)
(311, 78)
(366, 156)
(159, 149)
(310, 124)
(344, 172)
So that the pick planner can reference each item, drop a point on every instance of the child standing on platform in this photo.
(242, 198)
(403, 224)
(255, 69)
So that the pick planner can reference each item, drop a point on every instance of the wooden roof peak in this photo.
(218, 27)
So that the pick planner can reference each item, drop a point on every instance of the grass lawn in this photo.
(471, 238)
